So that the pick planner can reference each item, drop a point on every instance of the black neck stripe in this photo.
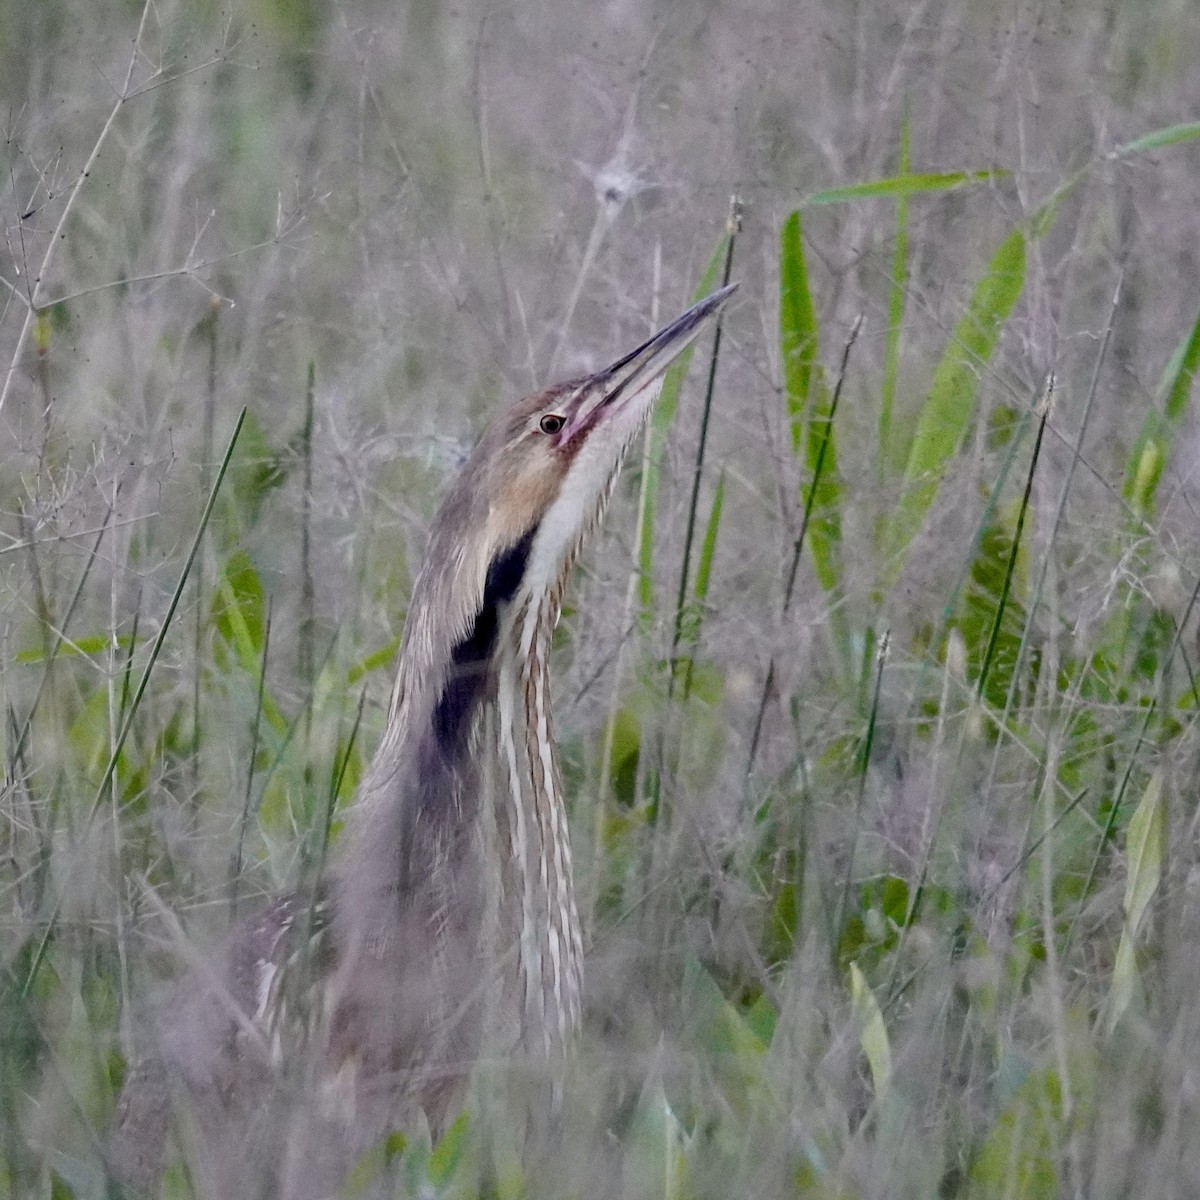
(470, 660)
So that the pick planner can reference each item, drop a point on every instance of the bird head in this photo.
(548, 464)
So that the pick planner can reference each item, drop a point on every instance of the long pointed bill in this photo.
(617, 386)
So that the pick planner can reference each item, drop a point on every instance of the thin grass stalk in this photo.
(819, 466)
(307, 638)
(155, 650)
(933, 813)
(235, 868)
(798, 545)
(661, 417)
(201, 621)
(127, 669)
(42, 334)
(337, 778)
(1060, 509)
(994, 634)
(116, 708)
(708, 550)
(733, 227)
(661, 840)
(313, 884)
(659, 422)
(950, 608)
(1027, 854)
(41, 603)
(289, 735)
(1049, 925)
(864, 762)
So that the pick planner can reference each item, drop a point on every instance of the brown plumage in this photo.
(448, 924)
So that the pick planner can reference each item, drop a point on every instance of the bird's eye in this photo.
(551, 423)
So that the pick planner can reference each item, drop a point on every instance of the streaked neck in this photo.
(538, 914)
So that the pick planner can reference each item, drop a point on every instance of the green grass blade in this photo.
(1017, 1160)
(239, 609)
(903, 184)
(385, 656)
(811, 407)
(864, 760)
(886, 455)
(1180, 373)
(235, 865)
(948, 408)
(1152, 447)
(799, 338)
(872, 1032)
(708, 550)
(1010, 570)
(1145, 852)
(822, 497)
(1170, 135)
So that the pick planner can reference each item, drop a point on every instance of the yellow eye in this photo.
(551, 423)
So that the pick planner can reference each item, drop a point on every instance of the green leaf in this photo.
(654, 1160)
(785, 916)
(100, 643)
(1145, 851)
(1152, 447)
(59, 1188)
(708, 548)
(810, 407)
(692, 617)
(732, 1046)
(448, 1154)
(1170, 135)
(798, 332)
(823, 492)
(239, 616)
(256, 469)
(239, 609)
(950, 405)
(981, 620)
(383, 657)
(872, 1032)
(625, 733)
(903, 185)
(371, 1165)
(1017, 1160)
(1180, 373)
(716, 1024)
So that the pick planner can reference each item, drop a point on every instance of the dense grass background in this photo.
(879, 712)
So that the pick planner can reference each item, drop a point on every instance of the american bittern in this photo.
(449, 920)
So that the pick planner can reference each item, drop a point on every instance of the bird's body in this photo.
(449, 920)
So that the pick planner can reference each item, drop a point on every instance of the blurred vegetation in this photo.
(884, 787)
